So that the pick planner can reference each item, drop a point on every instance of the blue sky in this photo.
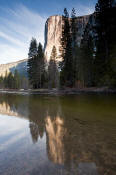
(20, 20)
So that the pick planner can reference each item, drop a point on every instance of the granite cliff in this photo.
(53, 32)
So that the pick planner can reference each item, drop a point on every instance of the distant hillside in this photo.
(20, 66)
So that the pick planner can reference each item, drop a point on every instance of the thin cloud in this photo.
(11, 54)
(17, 31)
(85, 10)
(11, 39)
(82, 10)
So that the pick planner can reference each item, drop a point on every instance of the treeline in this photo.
(13, 81)
(90, 63)
(42, 74)
(77, 66)
(36, 65)
(105, 56)
(93, 61)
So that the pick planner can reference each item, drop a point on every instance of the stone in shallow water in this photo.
(87, 169)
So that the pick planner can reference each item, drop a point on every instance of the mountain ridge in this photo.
(20, 66)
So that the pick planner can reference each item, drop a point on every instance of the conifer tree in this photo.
(73, 27)
(105, 29)
(66, 66)
(10, 81)
(16, 80)
(24, 82)
(32, 48)
(66, 14)
(1, 82)
(5, 80)
(53, 70)
(31, 65)
(73, 13)
(40, 69)
(74, 31)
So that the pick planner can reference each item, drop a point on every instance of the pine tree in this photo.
(32, 48)
(66, 66)
(40, 72)
(1, 82)
(73, 13)
(73, 27)
(24, 82)
(10, 81)
(105, 29)
(16, 80)
(102, 5)
(31, 65)
(5, 80)
(66, 14)
(74, 30)
(53, 70)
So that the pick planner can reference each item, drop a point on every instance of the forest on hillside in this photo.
(92, 63)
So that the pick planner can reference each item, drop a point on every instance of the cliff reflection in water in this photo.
(55, 132)
(72, 135)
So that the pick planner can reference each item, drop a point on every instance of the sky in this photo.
(20, 20)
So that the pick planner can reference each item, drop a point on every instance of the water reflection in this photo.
(75, 132)
(55, 131)
(6, 109)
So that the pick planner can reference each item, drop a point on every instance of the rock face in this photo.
(53, 33)
(20, 66)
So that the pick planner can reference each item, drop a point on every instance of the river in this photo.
(67, 135)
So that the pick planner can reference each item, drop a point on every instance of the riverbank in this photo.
(67, 91)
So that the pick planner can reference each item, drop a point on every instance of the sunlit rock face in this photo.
(5, 109)
(55, 134)
(8, 107)
(53, 33)
(20, 66)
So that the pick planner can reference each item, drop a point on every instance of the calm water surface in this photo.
(58, 135)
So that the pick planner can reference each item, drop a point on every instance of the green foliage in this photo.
(36, 65)
(31, 65)
(66, 14)
(53, 78)
(32, 48)
(24, 82)
(40, 66)
(66, 66)
(1, 82)
(74, 30)
(16, 80)
(84, 66)
(11, 81)
(73, 13)
(105, 54)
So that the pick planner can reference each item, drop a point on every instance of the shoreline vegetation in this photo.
(66, 91)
